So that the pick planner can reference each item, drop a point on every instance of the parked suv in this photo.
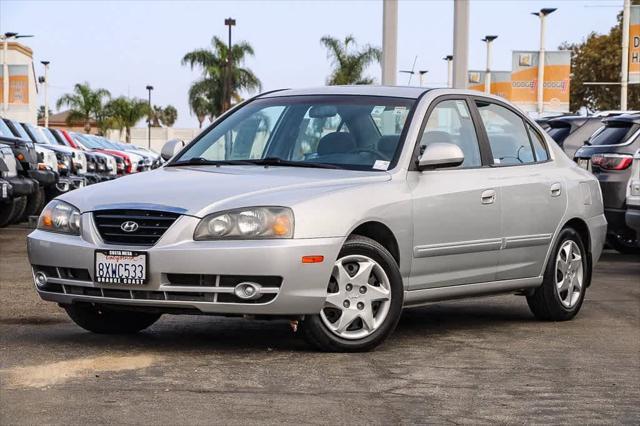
(633, 196)
(609, 154)
(571, 132)
(334, 208)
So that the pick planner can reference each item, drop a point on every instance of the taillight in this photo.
(612, 161)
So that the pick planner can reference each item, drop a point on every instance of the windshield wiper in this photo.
(199, 161)
(275, 161)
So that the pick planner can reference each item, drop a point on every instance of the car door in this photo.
(532, 191)
(456, 211)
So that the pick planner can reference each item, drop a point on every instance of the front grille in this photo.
(151, 225)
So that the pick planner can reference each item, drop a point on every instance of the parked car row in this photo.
(605, 144)
(39, 163)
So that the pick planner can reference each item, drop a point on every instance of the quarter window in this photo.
(450, 122)
(507, 135)
(538, 145)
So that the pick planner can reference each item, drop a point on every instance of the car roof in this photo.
(362, 90)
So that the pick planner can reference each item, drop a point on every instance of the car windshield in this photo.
(615, 134)
(5, 130)
(22, 134)
(51, 140)
(37, 134)
(351, 132)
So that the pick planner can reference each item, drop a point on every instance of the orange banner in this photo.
(557, 78)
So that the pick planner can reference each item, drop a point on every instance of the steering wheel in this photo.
(371, 151)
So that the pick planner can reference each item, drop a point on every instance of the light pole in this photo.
(460, 43)
(149, 88)
(422, 73)
(624, 74)
(5, 66)
(542, 15)
(449, 59)
(389, 41)
(229, 22)
(487, 78)
(46, 87)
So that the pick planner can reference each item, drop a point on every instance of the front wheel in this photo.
(98, 319)
(560, 296)
(364, 300)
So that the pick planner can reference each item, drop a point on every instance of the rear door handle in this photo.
(488, 196)
(556, 190)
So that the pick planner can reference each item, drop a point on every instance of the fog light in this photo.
(41, 279)
(247, 291)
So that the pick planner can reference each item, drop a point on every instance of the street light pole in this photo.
(624, 72)
(422, 74)
(389, 41)
(542, 15)
(46, 96)
(229, 22)
(449, 59)
(149, 88)
(487, 77)
(460, 43)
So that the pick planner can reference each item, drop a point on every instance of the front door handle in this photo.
(488, 196)
(556, 190)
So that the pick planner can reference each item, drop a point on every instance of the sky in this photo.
(123, 46)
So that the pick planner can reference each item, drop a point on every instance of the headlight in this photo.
(247, 224)
(59, 216)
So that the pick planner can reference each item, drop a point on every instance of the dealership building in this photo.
(18, 88)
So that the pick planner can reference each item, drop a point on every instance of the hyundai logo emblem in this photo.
(129, 226)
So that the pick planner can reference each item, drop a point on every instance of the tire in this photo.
(20, 206)
(384, 280)
(35, 204)
(548, 303)
(7, 211)
(101, 320)
(624, 244)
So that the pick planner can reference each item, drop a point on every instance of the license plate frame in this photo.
(119, 279)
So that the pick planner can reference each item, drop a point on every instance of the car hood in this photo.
(201, 190)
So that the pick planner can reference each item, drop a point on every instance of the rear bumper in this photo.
(302, 290)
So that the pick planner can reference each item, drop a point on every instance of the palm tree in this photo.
(126, 112)
(213, 63)
(85, 104)
(169, 115)
(200, 106)
(349, 62)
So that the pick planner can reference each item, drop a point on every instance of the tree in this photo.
(169, 115)
(200, 106)
(598, 59)
(85, 104)
(348, 61)
(125, 113)
(41, 112)
(213, 64)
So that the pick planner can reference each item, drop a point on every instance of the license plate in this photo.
(584, 163)
(120, 267)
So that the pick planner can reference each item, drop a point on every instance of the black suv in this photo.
(609, 155)
(572, 131)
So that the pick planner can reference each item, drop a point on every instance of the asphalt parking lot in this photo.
(475, 361)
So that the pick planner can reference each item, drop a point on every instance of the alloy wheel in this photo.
(569, 274)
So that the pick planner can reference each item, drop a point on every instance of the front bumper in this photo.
(632, 217)
(23, 185)
(302, 289)
(45, 177)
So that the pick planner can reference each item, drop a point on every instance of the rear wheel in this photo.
(101, 320)
(364, 300)
(35, 204)
(561, 294)
(20, 206)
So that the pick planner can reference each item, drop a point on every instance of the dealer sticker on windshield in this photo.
(120, 267)
(381, 165)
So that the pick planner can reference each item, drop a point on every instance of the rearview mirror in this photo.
(171, 148)
(438, 155)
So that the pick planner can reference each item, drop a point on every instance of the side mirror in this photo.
(438, 155)
(171, 148)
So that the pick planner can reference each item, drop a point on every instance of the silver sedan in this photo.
(334, 208)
